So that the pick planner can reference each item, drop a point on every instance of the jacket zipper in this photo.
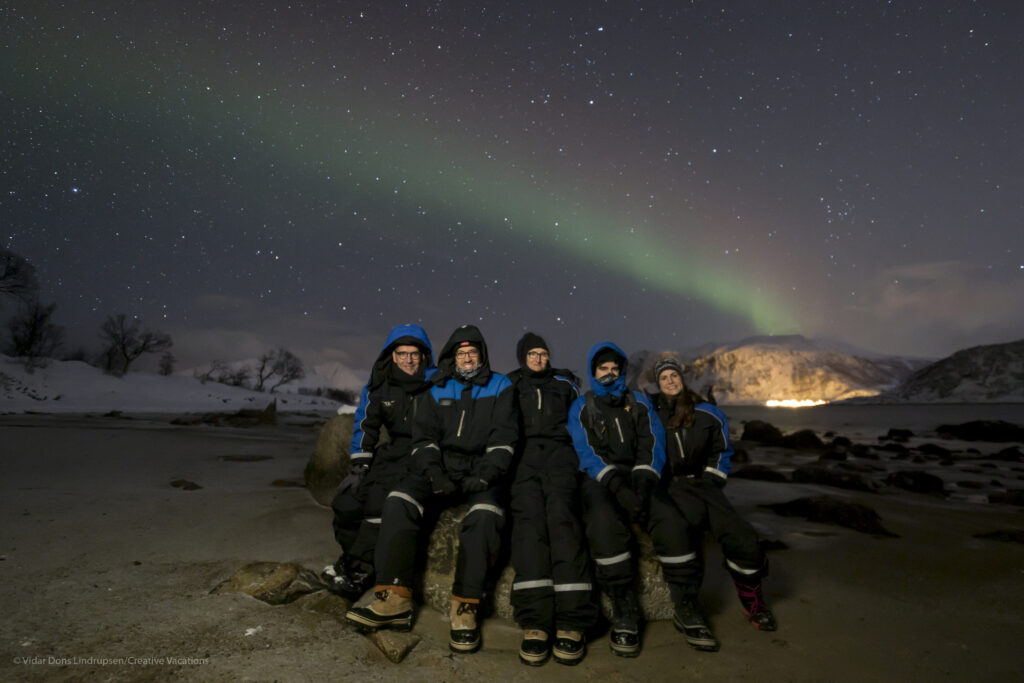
(461, 419)
(619, 427)
(679, 442)
(538, 400)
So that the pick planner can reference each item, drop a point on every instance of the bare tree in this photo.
(34, 337)
(283, 364)
(167, 362)
(126, 340)
(17, 276)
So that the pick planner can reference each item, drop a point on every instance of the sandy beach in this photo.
(107, 574)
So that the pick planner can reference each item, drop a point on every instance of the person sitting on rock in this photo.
(699, 453)
(464, 437)
(400, 374)
(620, 444)
(552, 595)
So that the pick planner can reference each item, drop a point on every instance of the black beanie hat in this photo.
(527, 342)
(670, 363)
(603, 356)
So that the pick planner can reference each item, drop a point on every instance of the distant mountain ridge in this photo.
(792, 367)
(990, 373)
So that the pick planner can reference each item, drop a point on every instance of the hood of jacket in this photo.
(616, 388)
(446, 359)
(401, 335)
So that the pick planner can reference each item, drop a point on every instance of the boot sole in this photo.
(697, 643)
(533, 660)
(463, 648)
(366, 624)
(571, 660)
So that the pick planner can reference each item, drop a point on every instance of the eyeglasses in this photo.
(538, 354)
(408, 355)
(467, 353)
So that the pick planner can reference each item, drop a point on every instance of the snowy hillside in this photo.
(76, 387)
(979, 374)
(761, 369)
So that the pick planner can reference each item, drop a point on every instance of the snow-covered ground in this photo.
(76, 387)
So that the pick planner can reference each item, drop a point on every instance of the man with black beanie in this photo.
(552, 595)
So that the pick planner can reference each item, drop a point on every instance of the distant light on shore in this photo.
(794, 403)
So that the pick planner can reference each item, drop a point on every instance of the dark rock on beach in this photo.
(805, 439)
(917, 481)
(761, 432)
(759, 473)
(829, 510)
(983, 430)
(826, 476)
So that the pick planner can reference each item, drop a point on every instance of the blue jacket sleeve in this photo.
(650, 438)
(720, 443)
(583, 440)
(365, 430)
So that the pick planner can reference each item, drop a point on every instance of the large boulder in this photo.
(761, 432)
(329, 462)
(276, 583)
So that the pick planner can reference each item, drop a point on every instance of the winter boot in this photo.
(688, 620)
(625, 635)
(534, 650)
(392, 608)
(332, 570)
(754, 606)
(464, 637)
(349, 583)
(570, 647)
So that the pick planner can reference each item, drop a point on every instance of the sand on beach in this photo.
(107, 571)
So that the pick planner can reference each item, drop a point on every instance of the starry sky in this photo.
(244, 175)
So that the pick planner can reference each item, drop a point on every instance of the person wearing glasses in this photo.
(401, 373)
(464, 436)
(552, 595)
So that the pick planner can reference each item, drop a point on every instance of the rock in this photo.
(917, 481)
(761, 432)
(841, 442)
(983, 430)
(898, 435)
(817, 474)
(833, 455)
(899, 449)
(1011, 454)
(1005, 535)
(934, 449)
(740, 456)
(329, 462)
(805, 439)
(829, 510)
(1010, 497)
(758, 473)
(394, 644)
(275, 583)
(185, 485)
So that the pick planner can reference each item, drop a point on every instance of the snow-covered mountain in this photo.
(760, 369)
(992, 373)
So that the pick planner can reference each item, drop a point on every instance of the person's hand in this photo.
(717, 481)
(473, 484)
(355, 475)
(440, 484)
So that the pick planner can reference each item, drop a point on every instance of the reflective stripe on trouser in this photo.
(552, 588)
(706, 506)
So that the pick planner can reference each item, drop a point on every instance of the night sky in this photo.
(244, 175)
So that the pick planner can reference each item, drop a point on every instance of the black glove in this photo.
(708, 478)
(644, 484)
(624, 495)
(473, 484)
(351, 481)
(441, 484)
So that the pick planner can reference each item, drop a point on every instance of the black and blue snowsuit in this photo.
(620, 443)
(464, 432)
(552, 588)
(387, 401)
(699, 460)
